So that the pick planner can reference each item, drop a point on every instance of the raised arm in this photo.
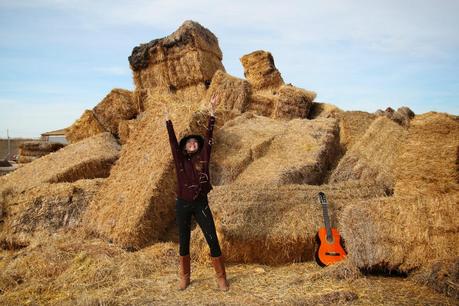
(172, 138)
(210, 127)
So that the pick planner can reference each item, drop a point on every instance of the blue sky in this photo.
(58, 58)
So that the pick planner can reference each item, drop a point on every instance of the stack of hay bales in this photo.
(373, 156)
(182, 63)
(90, 158)
(45, 207)
(273, 224)
(136, 203)
(118, 105)
(31, 150)
(255, 149)
(270, 96)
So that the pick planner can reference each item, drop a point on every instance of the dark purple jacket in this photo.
(193, 177)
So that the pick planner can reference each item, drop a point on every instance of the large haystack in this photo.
(273, 224)
(46, 207)
(428, 160)
(260, 71)
(254, 149)
(86, 126)
(373, 155)
(116, 106)
(91, 158)
(188, 57)
(401, 233)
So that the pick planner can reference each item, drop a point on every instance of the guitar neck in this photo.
(324, 203)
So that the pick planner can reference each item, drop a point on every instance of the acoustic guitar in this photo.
(330, 248)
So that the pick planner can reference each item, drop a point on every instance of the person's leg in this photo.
(183, 217)
(205, 220)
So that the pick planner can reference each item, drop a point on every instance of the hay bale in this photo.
(86, 126)
(293, 102)
(233, 93)
(374, 155)
(262, 103)
(272, 224)
(402, 116)
(89, 158)
(40, 146)
(352, 126)
(116, 106)
(46, 207)
(441, 275)
(400, 233)
(260, 71)
(254, 149)
(427, 163)
(187, 57)
(125, 128)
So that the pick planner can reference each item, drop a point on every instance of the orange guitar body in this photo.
(329, 252)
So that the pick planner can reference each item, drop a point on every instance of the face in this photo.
(191, 145)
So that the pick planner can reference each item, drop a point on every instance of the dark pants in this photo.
(203, 216)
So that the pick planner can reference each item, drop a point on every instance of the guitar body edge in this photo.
(329, 253)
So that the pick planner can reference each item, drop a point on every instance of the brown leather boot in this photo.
(185, 272)
(219, 267)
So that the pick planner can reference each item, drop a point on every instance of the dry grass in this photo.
(47, 207)
(254, 149)
(116, 106)
(73, 270)
(428, 160)
(401, 233)
(260, 71)
(441, 275)
(86, 126)
(273, 225)
(188, 57)
(373, 156)
(89, 158)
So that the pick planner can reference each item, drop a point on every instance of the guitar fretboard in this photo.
(324, 203)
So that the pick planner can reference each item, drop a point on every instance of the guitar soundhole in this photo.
(332, 253)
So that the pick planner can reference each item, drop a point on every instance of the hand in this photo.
(213, 104)
(166, 113)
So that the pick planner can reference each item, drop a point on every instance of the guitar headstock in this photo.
(322, 198)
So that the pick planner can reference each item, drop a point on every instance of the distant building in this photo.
(55, 136)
